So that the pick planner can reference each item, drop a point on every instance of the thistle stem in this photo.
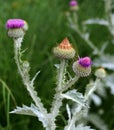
(57, 102)
(25, 77)
(70, 83)
(91, 91)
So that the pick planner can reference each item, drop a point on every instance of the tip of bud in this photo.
(65, 44)
(85, 62)
(64, 50)
(82, 67)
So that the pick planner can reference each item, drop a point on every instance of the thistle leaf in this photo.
(24, 110)
(96, 21)
(57, 66)
(105, 61)
(68, 112)
(97, 121)
(32, 81)
(96, 99)
(109, 81)
(81, 127)
(32, 111)
(75, 96)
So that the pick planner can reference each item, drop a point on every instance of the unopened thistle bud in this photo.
(64, 50)
(82, 67)
(73, 5)
(100, 73)
(16, 28)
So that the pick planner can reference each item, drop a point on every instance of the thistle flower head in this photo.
(82, 67)
(73, 3)
(15, 23)
(16, 27)
(64, 50)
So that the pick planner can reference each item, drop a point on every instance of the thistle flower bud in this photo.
(64, 50)
(100, 73)
(82, 67)
(16, 28)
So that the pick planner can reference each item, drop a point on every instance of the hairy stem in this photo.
(57, 102)
(25, 77)
(70, 83)
(91, 91)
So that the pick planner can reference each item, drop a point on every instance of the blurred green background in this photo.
(47, 26)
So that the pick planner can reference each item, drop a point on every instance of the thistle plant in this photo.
(78, 112)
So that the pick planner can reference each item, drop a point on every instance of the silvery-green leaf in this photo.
(68, 112)
(57, 66)
(103, 47)
(86, 36)
(97, 121)
(24, 110)
(109, 81)
(105, 61)
(32, 81)
(32, 111)
(89, 87)
(81, 127)
(96, 99)
(112, 17)
(75, 96)
(101, 89)
(96, 21)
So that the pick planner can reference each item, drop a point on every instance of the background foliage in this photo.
(47, 27)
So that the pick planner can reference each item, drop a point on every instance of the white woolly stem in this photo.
(91, 91)
(70, 83)
(25, 77)
(57, 102)
(61, 75)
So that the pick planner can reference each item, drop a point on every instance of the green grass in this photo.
(47, 27)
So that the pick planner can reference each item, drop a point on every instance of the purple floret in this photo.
(15, 23)
(73, 3)
(85, 62)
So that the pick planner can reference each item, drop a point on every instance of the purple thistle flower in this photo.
(73, 3)
(15, 23)
(85, 62)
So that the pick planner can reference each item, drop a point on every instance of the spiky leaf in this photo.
(81, 127)
(97, 21)
(32, 111)
(75, 96)
(109, 81)
(105, 61)
(97, 121)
